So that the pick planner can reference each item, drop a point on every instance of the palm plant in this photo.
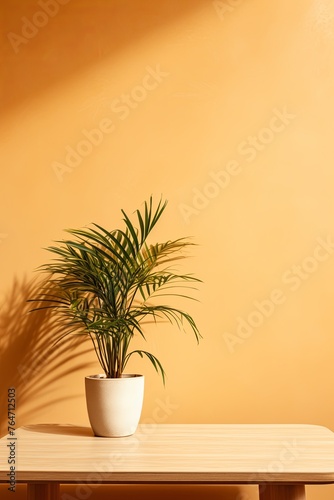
(103, 284)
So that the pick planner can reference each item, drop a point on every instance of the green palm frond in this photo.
(105, 284)
(154, 360)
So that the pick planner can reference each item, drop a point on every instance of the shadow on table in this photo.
(30, 361)
(60, 429)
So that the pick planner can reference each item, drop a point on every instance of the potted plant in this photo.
(106, 284)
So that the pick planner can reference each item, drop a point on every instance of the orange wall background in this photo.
(223, 107)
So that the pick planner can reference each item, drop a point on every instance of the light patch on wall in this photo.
(249, 148)
(3, 237)
(292, 279)
(120, 107)
(321, 17)
(225, 7)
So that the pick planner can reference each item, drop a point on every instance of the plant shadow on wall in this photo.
(29, 358)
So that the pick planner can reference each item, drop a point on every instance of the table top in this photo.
(183, 453)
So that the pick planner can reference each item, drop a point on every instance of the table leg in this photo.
(282, 492)
(43, 491)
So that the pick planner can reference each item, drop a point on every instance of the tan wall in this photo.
(230, 118)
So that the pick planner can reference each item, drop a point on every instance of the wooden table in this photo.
(281, 459)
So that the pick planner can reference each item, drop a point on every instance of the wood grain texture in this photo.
(213, 453)
(282, 492)
(43, 491)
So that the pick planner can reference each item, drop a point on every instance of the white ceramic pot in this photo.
(114, 404)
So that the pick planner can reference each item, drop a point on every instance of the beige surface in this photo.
(181, 453)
